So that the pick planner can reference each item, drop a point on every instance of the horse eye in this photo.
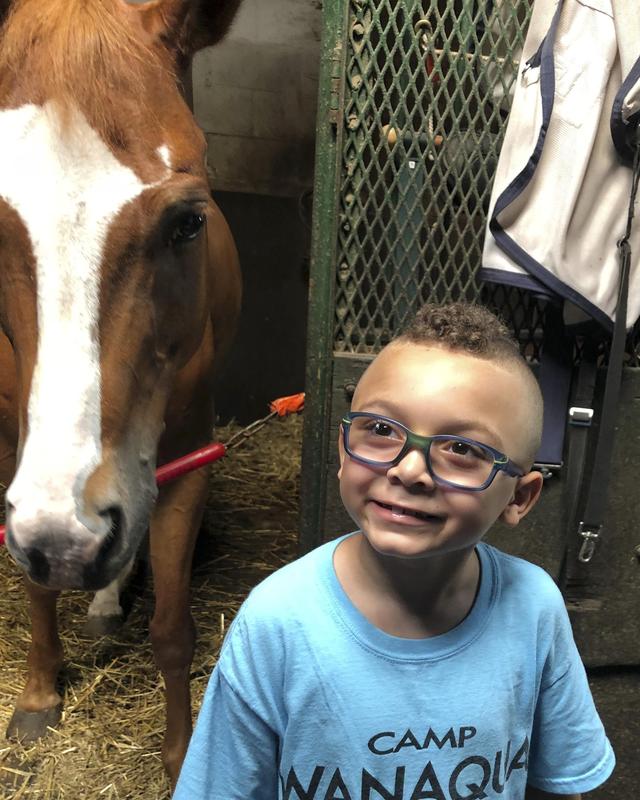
(186, 229)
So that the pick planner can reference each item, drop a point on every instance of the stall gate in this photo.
(414, 98)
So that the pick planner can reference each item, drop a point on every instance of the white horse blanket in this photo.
(561, 192)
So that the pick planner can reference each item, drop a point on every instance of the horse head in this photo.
(110, 266)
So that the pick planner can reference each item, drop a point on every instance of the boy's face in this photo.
(433, 390)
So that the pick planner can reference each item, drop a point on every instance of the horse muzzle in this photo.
(60, 551)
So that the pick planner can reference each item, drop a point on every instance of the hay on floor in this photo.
(108, 743)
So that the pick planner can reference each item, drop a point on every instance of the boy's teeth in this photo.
(399, 511)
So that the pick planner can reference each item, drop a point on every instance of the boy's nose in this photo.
(412, 470)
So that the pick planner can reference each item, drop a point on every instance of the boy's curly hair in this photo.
(462, 326)
(473, 329)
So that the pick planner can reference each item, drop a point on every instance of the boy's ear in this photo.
(183, 26)
(524, 498)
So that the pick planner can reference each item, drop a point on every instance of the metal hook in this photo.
(590, 535)
(424, 29)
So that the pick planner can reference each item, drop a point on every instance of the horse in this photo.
(119, 293)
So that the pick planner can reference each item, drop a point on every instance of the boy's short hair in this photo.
(473, 329)
(463, 326)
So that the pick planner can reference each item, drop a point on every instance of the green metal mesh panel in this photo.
(428, 88)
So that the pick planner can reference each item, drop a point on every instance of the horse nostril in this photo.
(112, 542)
(39, 566)
(113, 515)
(109, 512)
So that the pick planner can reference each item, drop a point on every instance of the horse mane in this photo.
(77, 53)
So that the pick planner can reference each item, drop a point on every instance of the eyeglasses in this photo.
(451, 460)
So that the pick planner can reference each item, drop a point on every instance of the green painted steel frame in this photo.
(322, 277)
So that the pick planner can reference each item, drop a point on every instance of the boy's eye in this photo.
(467, 450)
(460, 448)
(378, 428)
(381, 428)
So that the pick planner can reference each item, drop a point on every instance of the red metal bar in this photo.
(174, 469)
(205, 455)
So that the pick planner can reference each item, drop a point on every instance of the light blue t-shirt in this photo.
(309, 701)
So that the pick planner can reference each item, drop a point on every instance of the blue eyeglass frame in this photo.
(501, 463)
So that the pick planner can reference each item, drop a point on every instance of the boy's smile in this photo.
(433, 390)
(402, 514)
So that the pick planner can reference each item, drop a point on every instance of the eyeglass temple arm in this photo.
(511, 469)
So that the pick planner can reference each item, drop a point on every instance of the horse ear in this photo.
(185, 26)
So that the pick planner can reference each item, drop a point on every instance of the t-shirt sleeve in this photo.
(233, 753)
(570, 752)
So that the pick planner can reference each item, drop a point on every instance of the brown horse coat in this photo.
(119, 290)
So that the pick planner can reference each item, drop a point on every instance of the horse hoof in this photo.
(29, 726)
(95, 627)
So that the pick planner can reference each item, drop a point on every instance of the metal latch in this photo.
(547, 470)
(580, 416)
(590, 535)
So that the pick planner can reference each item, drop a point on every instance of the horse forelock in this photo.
(82, 54)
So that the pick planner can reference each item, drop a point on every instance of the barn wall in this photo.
(268, 355)
(255, 96)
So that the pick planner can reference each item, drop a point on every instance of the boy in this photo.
(409, 661)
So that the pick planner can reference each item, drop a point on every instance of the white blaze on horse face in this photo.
(67, 187)
(165, 154)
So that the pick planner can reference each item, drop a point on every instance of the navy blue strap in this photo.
(591, 525)
(580, 417)
(555, 381)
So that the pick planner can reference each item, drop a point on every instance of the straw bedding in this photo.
(108, 743)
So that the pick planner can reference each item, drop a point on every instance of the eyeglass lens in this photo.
(453, 460)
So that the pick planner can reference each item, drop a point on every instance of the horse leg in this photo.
(105, 614)
(39, 706)
(174, 527)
